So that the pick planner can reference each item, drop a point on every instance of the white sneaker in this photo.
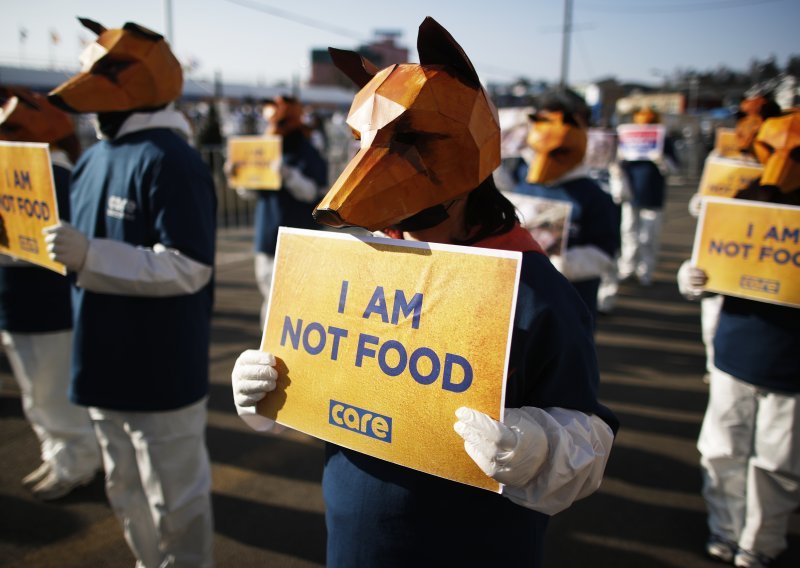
(720, 549)
(36, 475)
(52, 487)
(747, 559)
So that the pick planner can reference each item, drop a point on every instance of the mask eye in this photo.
(110, 68)
(795, 154)
(407, 138)
(766, 148)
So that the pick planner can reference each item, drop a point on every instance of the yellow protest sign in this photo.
(725, 143)
(27, 202)
(379, 342)
(254, 162)
(724, 177)
(750, 249)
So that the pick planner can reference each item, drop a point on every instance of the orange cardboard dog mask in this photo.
(283, 114)
(749, 118)
(777, 146)
(428, 134)
(559, 146)
(26, 116)
(131, 68)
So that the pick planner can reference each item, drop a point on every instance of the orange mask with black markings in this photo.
(131, 68)
(559, 146)
(750, 117)
(27, 116)
(428, 134)
(777, 146)
(283, 115)
(646, 116)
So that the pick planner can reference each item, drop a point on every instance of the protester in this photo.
(558, 138)
(141, 248)
(641, 187)
(754, 108)
(36, 316)
(304, 176)
(555, 442)
(750, 438)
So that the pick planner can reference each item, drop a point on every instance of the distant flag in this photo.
(23, 35)
(55, 39)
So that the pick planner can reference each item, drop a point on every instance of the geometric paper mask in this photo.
(428, 134)
(125, 69)
(777, 146)
(559, 146)
(27, 116)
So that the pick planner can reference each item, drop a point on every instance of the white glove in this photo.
(253, 376)
(246, 194)
(695, 204)
(511, 452)
(66, 245)
(302, 188)
(692, 281)
(618, 184)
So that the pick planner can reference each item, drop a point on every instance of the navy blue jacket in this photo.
(280, 208)
(382, 514)
(34, 299)
(139, 353)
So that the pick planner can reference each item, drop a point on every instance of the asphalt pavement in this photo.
(267, 497)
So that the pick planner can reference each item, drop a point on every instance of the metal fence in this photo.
(232, 210)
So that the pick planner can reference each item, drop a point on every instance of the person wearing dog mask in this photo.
(758, 105)
(749, 442)
(424, 172)
(141, 248)
(558, 137)
(304, 177)
(640, 186)
(36, 316)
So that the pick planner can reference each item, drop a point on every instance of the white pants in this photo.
(709, 317)
(640, 234)
(750, 457)
(41, 365)
(607, 291)
(158, 481)
(264, 264)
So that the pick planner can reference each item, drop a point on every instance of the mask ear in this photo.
(142, 31)
(436, 46)
(357, 68)
(92, 25)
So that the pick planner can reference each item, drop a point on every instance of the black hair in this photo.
(571, 104)
(488, 210)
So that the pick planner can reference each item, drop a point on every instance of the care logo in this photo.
(121, 208)
(360, 421)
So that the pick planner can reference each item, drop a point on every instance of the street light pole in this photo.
(167, 5)
(565, 39)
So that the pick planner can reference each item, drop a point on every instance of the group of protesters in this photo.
(114, 369)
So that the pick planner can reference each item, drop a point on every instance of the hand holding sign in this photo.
(67, 245)
(509, 452)
(253, 376)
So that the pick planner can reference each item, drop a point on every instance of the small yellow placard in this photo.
(750, 249)
(255, 162)
(379, 341)
(27, 202)
(725, 142)
(725, 177)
